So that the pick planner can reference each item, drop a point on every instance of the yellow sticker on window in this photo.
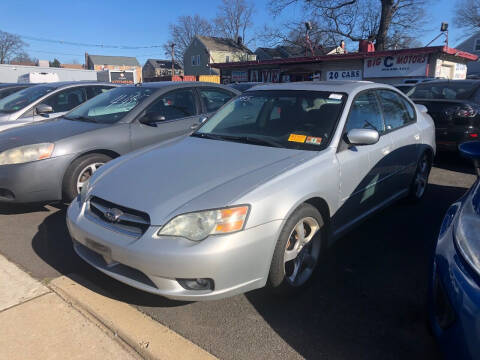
(297, 138)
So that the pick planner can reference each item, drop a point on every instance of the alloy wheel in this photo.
(301, 252)
(421, 178)
(86, 173)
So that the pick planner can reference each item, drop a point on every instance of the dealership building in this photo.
(392, 66)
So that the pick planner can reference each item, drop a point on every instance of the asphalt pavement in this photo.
(367, 301)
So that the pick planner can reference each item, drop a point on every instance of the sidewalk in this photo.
(36, 323)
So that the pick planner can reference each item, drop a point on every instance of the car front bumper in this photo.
(236, 263)
(454, 302)
(36, 181)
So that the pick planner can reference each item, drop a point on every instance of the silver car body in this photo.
(194, 174)
(27, 115)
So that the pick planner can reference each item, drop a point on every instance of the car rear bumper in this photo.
(236, 263)
(449, 139)
(37, 181)
(454, 302)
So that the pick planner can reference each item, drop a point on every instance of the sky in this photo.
(141, 23)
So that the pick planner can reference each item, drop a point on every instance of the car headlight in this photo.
(197, 226)
(27, 153)
(467, 231)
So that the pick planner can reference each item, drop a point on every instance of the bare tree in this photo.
(183, 31)
(467, 15)
(373, 20)
(234, 18)
(10, 46)
(23, 57)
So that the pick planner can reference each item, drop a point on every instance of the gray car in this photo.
(52, 159)
(257, 194)
(46, 101)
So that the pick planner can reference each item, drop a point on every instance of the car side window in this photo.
(174, 105)
(394, 110)
(93, 91)
(213, 99)
(66, 100)
(365, 113)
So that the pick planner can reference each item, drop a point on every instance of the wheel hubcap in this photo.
(421, 179)
(301, 253)
(85, 174)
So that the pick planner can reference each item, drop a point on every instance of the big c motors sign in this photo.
(393, 66)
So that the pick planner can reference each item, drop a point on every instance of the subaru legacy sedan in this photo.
(51, 160)
(257, 193)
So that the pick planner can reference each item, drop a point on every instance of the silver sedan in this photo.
(258, 193)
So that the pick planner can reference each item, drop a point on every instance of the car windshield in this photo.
(111, 106)
(23, 98)
(450, 91)
(289, 119)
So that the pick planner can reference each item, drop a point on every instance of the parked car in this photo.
(46, 101)
(257, 193)
(52, 159)
(8, 89)
(405, 88)
(455, 108)
(243, 86)
(454, 292)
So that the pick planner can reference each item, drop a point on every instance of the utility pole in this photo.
(173, 59)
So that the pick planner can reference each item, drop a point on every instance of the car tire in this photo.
(419, 183)
(295, 260)
(79, 171)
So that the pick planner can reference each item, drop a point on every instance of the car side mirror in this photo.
(203, 119)
(43, 109)
(363, 136)
(471, 150)
(152, 118)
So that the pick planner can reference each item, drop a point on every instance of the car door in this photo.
(362, 168)
(213, 99)
(401, 127)
(180, 110)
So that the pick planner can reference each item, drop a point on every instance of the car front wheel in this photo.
(79, 172)
(298, 250)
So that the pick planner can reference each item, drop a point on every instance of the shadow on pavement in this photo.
(15, 209)
(454, 162)
(370, 291)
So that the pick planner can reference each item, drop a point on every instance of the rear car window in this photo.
(449, 91)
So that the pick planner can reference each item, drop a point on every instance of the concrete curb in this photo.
(147, 337)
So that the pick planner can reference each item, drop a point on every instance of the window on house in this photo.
(195, 60)
(227, 58)
(476, 47)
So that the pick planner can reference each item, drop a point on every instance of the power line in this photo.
(62, 42)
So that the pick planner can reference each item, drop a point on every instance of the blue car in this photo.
(454, 292)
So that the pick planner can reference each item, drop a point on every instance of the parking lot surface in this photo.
(367, 301)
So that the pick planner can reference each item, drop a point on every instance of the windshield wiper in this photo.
(208, 136)
(242, 139)
(80, 118)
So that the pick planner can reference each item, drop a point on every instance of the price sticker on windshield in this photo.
(313, 140)
(297, 138)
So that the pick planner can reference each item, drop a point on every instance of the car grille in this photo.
(129, 221)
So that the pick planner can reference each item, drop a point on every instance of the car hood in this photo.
(43, 131)
(189, 175)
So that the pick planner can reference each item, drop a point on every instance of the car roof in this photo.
(160, 84)
(447, 81)
(330, 86)
(7, 85)
(61, 84)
